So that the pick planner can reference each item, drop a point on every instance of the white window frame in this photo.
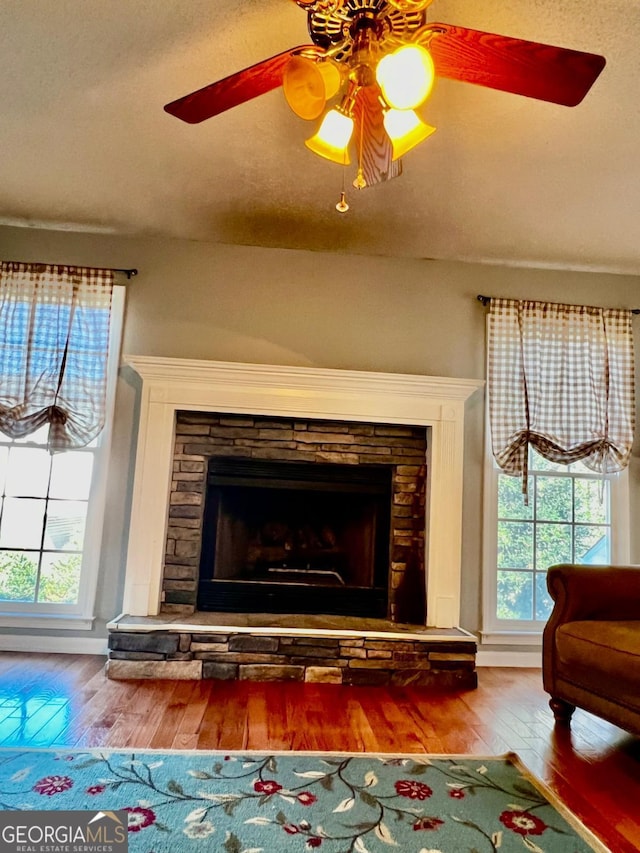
(80, 616)
(529, 632)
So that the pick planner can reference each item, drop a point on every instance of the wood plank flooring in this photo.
(65, 700)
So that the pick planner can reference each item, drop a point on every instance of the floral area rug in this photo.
(178, 802)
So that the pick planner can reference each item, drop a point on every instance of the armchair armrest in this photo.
(593, 592)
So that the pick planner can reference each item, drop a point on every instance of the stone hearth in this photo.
(258, 647)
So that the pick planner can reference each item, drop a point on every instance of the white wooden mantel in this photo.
(170, 385)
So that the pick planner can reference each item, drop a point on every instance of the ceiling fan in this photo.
(378, 60)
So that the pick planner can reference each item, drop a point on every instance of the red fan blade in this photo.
(235, 89)
(529, 68)
(370, 138)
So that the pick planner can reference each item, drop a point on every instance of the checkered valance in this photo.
(561, 379)
(54, 337)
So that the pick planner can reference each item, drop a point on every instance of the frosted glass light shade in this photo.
(333, 137)
(406, 76)
(405, 129)
(308, 85)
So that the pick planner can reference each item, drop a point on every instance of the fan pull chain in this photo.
(359, 181)
(342, 206)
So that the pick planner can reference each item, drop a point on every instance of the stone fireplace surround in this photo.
(173, 385)
(201, 435)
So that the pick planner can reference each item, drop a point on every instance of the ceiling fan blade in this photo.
(542, 71)
(372, 143)
(236, 88)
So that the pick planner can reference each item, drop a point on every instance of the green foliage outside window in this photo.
(19, 578)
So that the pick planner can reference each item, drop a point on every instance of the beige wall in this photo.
(237, 303)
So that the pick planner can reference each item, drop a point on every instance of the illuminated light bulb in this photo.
(333, 137)
(405, 129)
(406, 76)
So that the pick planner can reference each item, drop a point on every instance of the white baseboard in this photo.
(515, 659)
(57, 645)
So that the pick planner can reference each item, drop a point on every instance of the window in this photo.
(572, 516)
(51, 509)
(561, 415)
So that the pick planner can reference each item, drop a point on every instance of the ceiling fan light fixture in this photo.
(385, 53)
(333, 137)
(406, 76)
(405, 129)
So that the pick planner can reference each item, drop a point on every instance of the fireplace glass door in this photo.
(290, 537)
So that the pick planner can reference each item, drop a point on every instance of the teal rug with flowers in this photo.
(179, 802)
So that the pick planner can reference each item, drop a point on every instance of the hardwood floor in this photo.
(64, 700)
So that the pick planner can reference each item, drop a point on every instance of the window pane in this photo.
(554, 498)
(22, 520)
(510, 498)
(515, 595)
(28, 472)
(581, 468)
(18, 575)
(71, 475)
(40, 436)
(553, 545)
(64, 530)
(589, 507)
(544, 602)
(539, 463)
(593, 545)
(59, 578)
(515, 545)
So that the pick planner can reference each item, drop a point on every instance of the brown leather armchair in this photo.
(591, 643)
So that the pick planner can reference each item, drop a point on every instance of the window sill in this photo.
(511, 638)
(46, 621)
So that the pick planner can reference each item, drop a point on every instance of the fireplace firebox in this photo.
(289, 537)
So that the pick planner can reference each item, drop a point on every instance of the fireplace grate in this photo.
(264, 597)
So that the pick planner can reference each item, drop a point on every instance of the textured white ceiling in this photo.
(86, 145)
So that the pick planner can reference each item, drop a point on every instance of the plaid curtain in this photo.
(561, 379)
(54, 335)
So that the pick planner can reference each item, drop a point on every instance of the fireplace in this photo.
(290, 537)
(169, 385)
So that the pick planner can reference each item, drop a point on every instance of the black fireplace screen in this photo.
(290, 537)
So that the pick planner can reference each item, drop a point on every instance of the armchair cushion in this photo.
(605, 655)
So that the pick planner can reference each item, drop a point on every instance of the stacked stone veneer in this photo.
(337, 660)
(200, 435)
